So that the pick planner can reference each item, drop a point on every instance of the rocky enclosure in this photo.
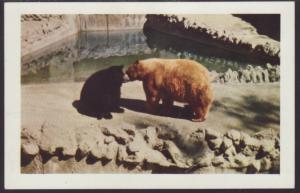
(234, 138)
(225, 31)
(241, 134)
(150, 149)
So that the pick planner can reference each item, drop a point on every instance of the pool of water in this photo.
(77, 57)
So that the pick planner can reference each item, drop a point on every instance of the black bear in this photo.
(101, 92)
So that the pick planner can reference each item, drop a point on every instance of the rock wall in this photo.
(123, 149)
(222, 30)
(39, 31)
(111, 22)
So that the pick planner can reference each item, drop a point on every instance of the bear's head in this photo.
(135, 71)
(117, 74)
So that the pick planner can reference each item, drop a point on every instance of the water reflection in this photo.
(77, 57)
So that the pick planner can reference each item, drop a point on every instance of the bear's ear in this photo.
(136, 62)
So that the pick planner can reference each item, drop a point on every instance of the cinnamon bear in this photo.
(172, 80)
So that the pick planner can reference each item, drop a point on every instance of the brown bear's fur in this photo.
(174, 80)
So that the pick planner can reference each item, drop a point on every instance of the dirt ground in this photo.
(245, 107)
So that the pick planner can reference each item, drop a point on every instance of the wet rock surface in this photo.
(236, 35)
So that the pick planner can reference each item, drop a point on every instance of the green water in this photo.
(77, 57)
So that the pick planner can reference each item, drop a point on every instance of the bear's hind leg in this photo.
(152, 96)
(167, 104)
(152, 104)
(187, 111)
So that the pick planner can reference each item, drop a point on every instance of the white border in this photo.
(15, 180)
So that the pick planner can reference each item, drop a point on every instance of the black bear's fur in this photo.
(101, 92)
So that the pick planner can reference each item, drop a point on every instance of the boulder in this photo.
(122, 153)
(156, 157)
(128, 128)
(70, 150)
(244, 137)
(254, 166)
(266, 134)
(226, 143)
(231, 151)
(198, 136)
(274, 154)
(30, 148)
(175, 154)
(84, 148)
(251, 142)
(205, 159)
(215, 143)
(159, 145)
(166, 134)
(211, 134)
(265, 75)
(248, 151)
(259, 74)
(218, 160)
(234, 135)
(266, 164)
(120, 135)
(244, 75)
(151, 136)
(124, 157)
(27, 135)
(241, 160)
(134, 147)
(111, 150)
(267, 146)
(98, 151)
(109, 139)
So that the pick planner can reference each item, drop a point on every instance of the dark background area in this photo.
(266, 24)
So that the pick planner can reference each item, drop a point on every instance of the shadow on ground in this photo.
(251, 111)
(82, 109)
(139, 106)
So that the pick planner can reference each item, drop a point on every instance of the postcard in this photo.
(149, 95)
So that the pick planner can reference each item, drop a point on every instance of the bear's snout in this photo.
(131, 73)
(125, 78)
